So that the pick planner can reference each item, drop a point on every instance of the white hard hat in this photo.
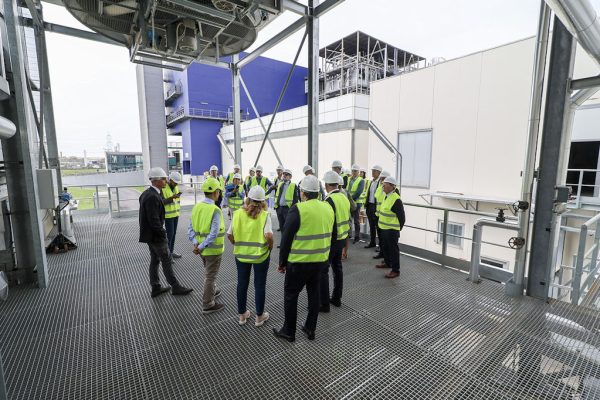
(279, 168)
(391, 180)
(310, 184)
(377, 168)
(356, 167)
(214, 168)
(363, 170)
(331, 178)
(384, 174)
(253, 169)
(236, 166)
(287, 171)
(237, 176)
(346, 171)
(306, 169)
(336, 164)
(340, 180)
(175, 177)
(257, 193)
(259, 168)
(157, 173)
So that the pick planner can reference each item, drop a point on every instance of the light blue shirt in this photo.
(284, 187)
(215, 225)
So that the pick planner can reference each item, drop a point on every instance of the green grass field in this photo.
(83, 171)
(85, 197)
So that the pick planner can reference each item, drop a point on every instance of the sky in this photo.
(94, 85)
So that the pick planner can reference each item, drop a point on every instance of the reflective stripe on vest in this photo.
(171, 209)
(254, 182)
(352, 190)
(379, 197)
(202, 216)
(387, 219)
(250, 242)
(313, 240)
(363, 196)
(342, 214)
(289, 194)
(236, 201)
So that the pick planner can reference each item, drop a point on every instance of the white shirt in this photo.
(268, 226)
(372, 190)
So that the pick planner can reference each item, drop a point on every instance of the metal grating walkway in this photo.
(97, 334)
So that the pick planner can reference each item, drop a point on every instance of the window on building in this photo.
(492, 262)
(415, 147)
(455, 233)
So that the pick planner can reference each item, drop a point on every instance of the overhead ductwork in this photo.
(176, 32)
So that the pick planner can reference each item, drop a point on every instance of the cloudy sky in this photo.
(94, 84)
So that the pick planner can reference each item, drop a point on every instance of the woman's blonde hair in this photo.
(254, 208)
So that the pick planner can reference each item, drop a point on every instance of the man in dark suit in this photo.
(152, 232)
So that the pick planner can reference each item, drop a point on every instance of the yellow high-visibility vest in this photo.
(342, 214)
(387, 219)
(172, 210)
(288, 196)
(236, 201)
(202, 215)
(313, 240)
(250, 242)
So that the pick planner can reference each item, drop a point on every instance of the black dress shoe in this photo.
(324, 309)
(175, 255)
(158, 290)
(280, 334)
(181, 291)
(355, 240)
(369, 246)
(309, 334)
(378, 256)
(336, 302)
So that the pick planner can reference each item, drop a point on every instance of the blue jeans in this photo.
(260, 283)
(171, 228)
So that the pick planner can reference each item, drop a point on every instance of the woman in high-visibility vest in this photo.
(251, 234)
(234, 193)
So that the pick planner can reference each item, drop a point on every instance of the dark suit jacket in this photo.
(152, 217)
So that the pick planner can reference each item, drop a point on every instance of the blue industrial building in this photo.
(199, 101)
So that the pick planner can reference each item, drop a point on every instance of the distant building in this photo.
(117, 161)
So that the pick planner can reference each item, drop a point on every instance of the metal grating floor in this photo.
(97, 334)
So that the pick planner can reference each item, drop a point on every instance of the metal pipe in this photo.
(7, 128)
(312, 30)
(539, 72)
(237, 126)
(280, 99)
(476, 246)
(387, 143)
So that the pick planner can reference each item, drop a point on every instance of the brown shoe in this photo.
(382, 265)
(392, 274)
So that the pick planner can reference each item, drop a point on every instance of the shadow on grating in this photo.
(96, 334)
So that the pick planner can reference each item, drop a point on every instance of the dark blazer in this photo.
(152, 217)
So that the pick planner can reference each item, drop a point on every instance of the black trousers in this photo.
(371, 208)
(282, 213)
(159, 253)
(356, 220)
(296, 277)
(391, 252)
(335, 261)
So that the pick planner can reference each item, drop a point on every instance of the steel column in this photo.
(555, 116)
(539, 72)
(237, 125)
(312, 28)
(20, 171)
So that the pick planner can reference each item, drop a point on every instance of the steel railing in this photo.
(578, 186)
(183, 112)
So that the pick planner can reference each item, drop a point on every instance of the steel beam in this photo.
(264, 128)
(65, 30)
(237, 125)
(312, 30)
(324, 7)
(293, 6)
(585, 83)
(274, 41)
(555, 116)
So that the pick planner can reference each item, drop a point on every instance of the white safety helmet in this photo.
(257, 193)
(252, 169)
(259, 168)
(363, 170)
(384, 174)
(237, 176)
(310, 184)
(340, 180)
(377, 168)
(175, 177)
(157, 173)
(356, 167)
(347, 171)
(213, 168)
(236, 166)
(391, 180)
(306, 169)
(331, 178)
(279, 168)
(336, 164)
(287, 171)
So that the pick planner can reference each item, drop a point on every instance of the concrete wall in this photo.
(134, 178)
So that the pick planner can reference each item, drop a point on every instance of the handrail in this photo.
(184, 112)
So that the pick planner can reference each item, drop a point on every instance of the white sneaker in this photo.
(244, 317)
(260, 320)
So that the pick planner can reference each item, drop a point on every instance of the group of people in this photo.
(316, 222)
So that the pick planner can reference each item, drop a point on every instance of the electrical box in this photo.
(47, 188)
